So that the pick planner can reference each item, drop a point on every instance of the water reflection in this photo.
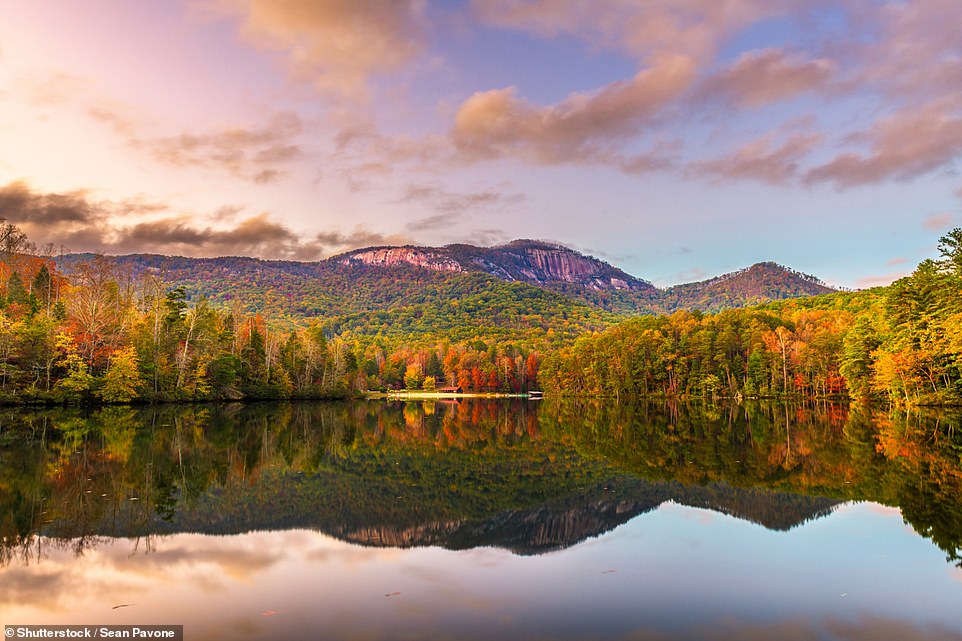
(911, 459)
(513, 474)
(479, 518)
(678, 573)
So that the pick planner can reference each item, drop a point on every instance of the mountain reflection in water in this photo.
(518, 475)
(528, 478)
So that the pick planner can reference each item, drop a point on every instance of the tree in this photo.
(16, 292)
(97, 310)
(950, 246)
(122, 381)
(78, 380)
(412, 376)
(42, 288)
(857, 360)
(433, 366)
(12, 240)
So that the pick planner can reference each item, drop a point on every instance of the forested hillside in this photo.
(902, 343)
(385, 278)
(158, 328)
(108, 333)
(757, 284)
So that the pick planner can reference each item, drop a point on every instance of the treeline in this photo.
(476, 366)
(104, 336)
(101, 337)
(749, 352)
(902, 343)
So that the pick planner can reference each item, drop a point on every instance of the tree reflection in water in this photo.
(524, 476)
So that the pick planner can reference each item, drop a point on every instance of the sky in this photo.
(675, 139)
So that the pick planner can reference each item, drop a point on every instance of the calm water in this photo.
(485, 520)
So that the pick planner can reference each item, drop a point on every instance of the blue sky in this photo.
(676, 139)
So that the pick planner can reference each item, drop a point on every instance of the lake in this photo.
(485, 519)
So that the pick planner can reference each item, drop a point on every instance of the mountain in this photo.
(564, 516)
(759, 283)
(527, 261)
(523, 290)
(392, 301)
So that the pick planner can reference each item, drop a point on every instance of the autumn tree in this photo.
(122, 380)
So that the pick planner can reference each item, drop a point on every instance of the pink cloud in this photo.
(760, 160)
(913, 51)
(907, 144)
(939, 222)
(761, 77)
(253, 153)
(337, 44)
(582, 127)
(692, 28)
(879, 280)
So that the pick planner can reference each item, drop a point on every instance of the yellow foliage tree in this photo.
(122, 380)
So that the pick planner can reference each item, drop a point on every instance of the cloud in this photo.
(581, 128)
(226, 213)
(769, 75)
(360, 177)
(52, 89)
(905, 145)
(258, 153)
(891, 55)
(875, 628)
(438, 221)
(454, 203)
(256, 235)
(487, 237)
(760, 160)
(111, 116)
(692, 275)
(337, 44)
(640, 29)
(250, 234)
(266, 176)
(20, 205)
(365, 154)
(29, 585)
(909, 49)
(899, 260)
(252, 153)
(879, 280)
(71, 220)
(79, 223)
(939, 222)
(337, 241)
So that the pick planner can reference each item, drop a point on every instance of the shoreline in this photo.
(421, 395)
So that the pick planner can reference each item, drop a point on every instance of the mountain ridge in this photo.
(535, 262)
(419, 281)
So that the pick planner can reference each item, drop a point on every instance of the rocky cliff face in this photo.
(546, 264)
(393, 256)
(527, 261)
(398, 537)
